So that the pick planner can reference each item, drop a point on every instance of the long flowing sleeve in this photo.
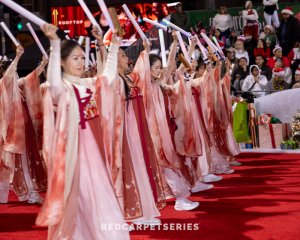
(110, 69)
(167, 89)
(40, 68)
(10, 73)
(191, 49)
(36, 72)
(101, 56)
(171, 58)
(12, 129)
(31, 91)
(54, 71)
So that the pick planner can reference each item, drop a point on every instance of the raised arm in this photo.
(166, 88)
(182, 68)
(140, 75)
(9, 73)
(172, 55)
(110, 69)
(101, 53)
(54, 67)
(192, 46)
(42, 66)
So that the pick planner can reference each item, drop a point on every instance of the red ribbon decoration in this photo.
(272, 135)
(286, 131)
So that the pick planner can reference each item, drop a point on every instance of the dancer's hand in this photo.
(50, 31)
(97, 33)
(19, 51)
(174, 35)
(147, 44)
(44, 61)
(115, 39)
(193, 41)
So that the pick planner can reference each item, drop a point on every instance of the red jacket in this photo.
(261, 51)
(271, 62)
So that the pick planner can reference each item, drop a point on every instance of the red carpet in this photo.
(260, 201)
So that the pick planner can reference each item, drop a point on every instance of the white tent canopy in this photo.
(283, 105)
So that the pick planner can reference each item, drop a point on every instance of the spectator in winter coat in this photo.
(230, 42)
(287, 71)
(239, 73)
(260, 61)
(277, 51)
(289, 31)
(249, 45)
(294, 57)
(277, 83)
(269, 36)
(180, 18)
(262, 49)
(221, 39)
(255, 82)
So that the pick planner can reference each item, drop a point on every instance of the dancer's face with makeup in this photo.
(122, 60)
(74, 63)
(156, 69)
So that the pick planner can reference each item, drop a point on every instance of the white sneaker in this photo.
(235, 163)
(34, 197)
(211, 178)
(185, 205)
(228, 171)
(150, 222)
(200, 186)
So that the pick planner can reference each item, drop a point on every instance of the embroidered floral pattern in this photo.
(90, 110)
(134, 92)
(87, 106)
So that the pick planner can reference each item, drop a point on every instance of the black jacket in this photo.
(181, 20)
(292, 32)
(266, 71)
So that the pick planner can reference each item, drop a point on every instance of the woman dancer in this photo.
(22, 122)
(135, 166)
(173, 177)
(80, 201)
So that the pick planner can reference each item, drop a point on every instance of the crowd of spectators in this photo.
(264, 61)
